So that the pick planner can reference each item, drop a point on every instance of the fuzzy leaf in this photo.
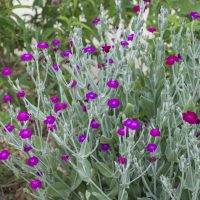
(147, 106)
(104, 170)
(58, 189)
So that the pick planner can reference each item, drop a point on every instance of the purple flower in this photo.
(70, 43)
(23, 116)
(26, 57)
(131, 37)
(190, 117)
(194, 15)
(25, 133)
(82, 137)
(60, 106)
(64, 157)
(152, 159)
(7, 98)
(89, 49)
(106, 48)
(66, 53)
(96, 20)
(4, 154)
(27, 148)
(136, 9)
(52, 127)
(121, 160)
(113, 83)
(55, 42)
(32, 161)
(39, 173)
(6, 71)
(147, 1)
(104, 147)
(171, 59)
(54, 99)
(35, 184)
(42, 45)
(9, 128)
(91, 95)
(21, 94)
(155, 132)
(84, 109)
(132, 124)
(73, 83)
(110, 61)
(122, 131)
(56, 67)
(114, 103)
(94, 124)
(151, 147)
(49, 120)
(124, 43)
(152, 29)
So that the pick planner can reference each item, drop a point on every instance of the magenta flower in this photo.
(64, 157)
(110, 61)
(121, 160)
(39, 173)
(122, 131)
(190, 117)
(106, 48)
(70, 43)
(7, 98)
(9, 128)
(52, 127)
(152, 159)
(84, 109)
(132, 124)
(42, 45)
(89, 49)
(114, 103)
(32, 161)
(54, 99)
(49, 120)
(66, 53)
(91, 95)
(4, 154)
(60, 106)
(82, 137)
(136, 9)
(171, 59)
(113, 83)
(96, 20)
(147, 1)
(35, 184)
(104, 147)
(100, 65)
(94, 124)
(194, 15)
(151, 147)
(27, 148)
(73, 83)
(56, 67)
(6, 71)
(124, 43)
(131, 37)
(155, 132)
(55, 42)
(26, 57)
(23, 116)
(152, 29)
(21, 94)
(25, 133)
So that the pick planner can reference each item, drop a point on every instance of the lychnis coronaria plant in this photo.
(122, 121)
